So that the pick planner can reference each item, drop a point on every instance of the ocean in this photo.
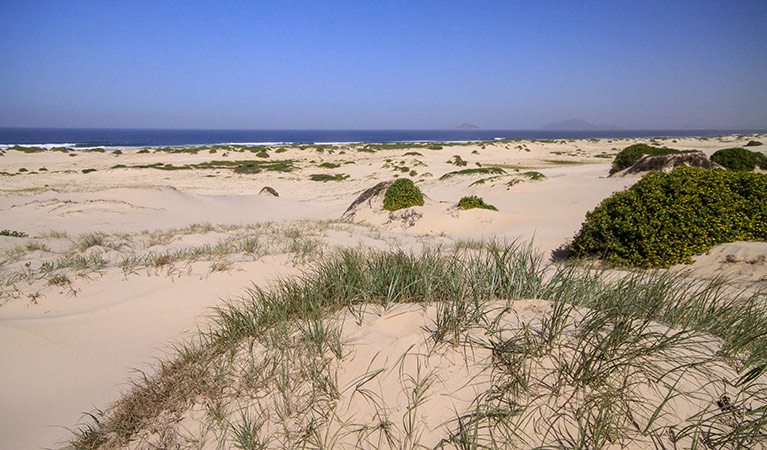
(127, 138)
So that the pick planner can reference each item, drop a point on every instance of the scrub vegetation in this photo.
(665, 219)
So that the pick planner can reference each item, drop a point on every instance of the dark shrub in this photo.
(665, 219)
(753, 144)
(402, 194)
(475, 202)
(629, 155)
(739, 159)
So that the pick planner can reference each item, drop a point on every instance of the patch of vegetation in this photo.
(13, 233)
(597, 371)
(629, 155)
(477, 171)
(143, 150)
(117, 152)
(665, 219)
(22, 170)
(413, 154)
(473, 201)
(401, 194)
(24, 149)
(458, 161)
(323, 177)
(753, 144)
(533, 175)
(262, 154)
(329, 165)
(739, 159)
(434, 147)
(88, 170)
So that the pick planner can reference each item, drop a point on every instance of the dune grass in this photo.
(604, 366)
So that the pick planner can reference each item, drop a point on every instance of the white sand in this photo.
(68, 353)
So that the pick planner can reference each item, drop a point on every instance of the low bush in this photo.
(739, 159)
(402, 194)
(753, 144)
(665, 219)
(473, 201)
(629, 155)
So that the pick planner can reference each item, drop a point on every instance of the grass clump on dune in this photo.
(323, 177)
(665, 219)
(739, 159)
(604, 366)
(473, 201)
(632, 153)
(401, 194)
(476, 171)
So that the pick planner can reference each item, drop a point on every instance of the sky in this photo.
(382, 65)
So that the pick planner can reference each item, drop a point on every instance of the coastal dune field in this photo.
(231, 296)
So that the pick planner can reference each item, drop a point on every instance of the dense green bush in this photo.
(739, 159)
(475, 202)
(629, 155)
(665, 219)
(402, 194)
(753, 144)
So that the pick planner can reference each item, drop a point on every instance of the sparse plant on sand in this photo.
(456, 160)
(13, 233)
(401, 194)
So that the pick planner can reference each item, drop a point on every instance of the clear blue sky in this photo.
(365, 64)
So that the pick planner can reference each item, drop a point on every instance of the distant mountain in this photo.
(577, 125)
(466, 126)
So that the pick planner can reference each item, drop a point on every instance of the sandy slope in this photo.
(69, 348)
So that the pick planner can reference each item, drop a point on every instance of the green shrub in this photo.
(629, 155)
(329, 165)
(88, 170)
(739, 159)
(665, 219)
(753, 144)
(474, 202)
(402, 194)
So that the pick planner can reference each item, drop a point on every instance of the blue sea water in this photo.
(106, 137)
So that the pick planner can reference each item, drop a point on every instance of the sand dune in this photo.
(158, 248)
